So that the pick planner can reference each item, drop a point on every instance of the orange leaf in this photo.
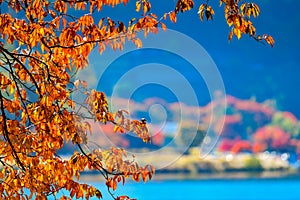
(269, 39)
(64, 22)
(72, 193)
(163, 26)
(230, 35)
(138, 43)
(173, 17)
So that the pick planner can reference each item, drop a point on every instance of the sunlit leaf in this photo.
(173, 17)
(163, 26)
(269, 39)
(137, 6)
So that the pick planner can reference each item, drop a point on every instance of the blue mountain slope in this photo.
(248, 68)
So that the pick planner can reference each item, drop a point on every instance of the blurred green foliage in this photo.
(253, 164)
(287, 122)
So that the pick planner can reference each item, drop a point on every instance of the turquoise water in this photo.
(249, 189)
(246, 189)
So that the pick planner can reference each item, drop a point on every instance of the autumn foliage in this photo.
(255, 127)
(43, 45)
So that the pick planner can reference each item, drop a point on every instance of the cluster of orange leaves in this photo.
(38, 115)
(237, 15)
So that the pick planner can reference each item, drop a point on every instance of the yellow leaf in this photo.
(255, 10)
(221, 2)
(100, 23)
(116, 128)
(237, 32)
(11, 89)
(165, 16)
(41, 31)
(23, 115)
(42, 47)
(243, 8)
(145, 8)
(137, 6)
(201, 11)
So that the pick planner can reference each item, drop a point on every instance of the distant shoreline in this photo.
(223, 166)
(231, 175)
(280, 174)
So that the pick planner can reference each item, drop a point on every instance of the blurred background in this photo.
(258, 152)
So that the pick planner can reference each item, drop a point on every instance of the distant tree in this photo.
(244, 117)
(53, 40)
(273, 138)
(288, 122)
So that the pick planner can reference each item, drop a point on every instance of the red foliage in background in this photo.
(249, 106)
(106, 137)
(235, 146)
(273, 136)
(243, 117)
(158, 138)
(226, 145)
(258, 147)
(241, 145)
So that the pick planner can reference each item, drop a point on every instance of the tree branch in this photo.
(6, 133)
(24, 67)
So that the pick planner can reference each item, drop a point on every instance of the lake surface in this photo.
(217, 189)
(248, 189)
